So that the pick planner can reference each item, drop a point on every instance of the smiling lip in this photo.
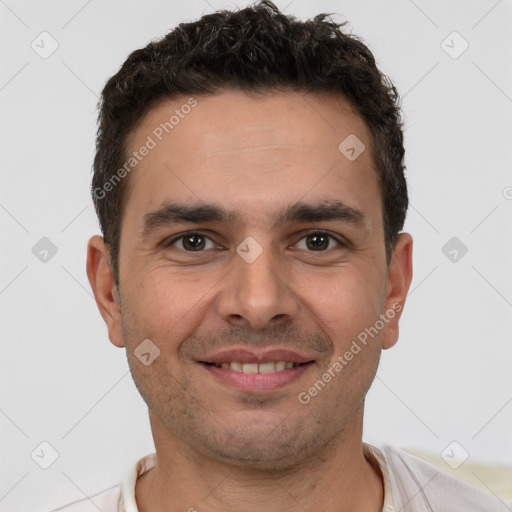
(256, 382)
(248, 356)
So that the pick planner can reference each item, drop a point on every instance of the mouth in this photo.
(256, 372)
(253, 368)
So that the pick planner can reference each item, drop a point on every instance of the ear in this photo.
(399, 281)
(103, 286)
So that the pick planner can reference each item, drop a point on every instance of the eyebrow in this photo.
(178, 213)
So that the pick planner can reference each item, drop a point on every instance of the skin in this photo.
(219, 447)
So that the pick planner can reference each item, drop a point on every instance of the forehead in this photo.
(251, 151)
(253, 119)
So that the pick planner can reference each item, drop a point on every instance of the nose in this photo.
(257, 293)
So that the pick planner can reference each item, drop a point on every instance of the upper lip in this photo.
(252, 356)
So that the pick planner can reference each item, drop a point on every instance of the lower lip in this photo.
(257, 382)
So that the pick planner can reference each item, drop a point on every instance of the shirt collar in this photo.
(377, 455)
(127, 501)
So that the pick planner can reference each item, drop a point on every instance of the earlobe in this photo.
(398, 283)
(103, 286)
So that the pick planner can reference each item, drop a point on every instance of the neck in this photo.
(340, 479)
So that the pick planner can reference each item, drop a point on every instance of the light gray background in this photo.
(448, 378)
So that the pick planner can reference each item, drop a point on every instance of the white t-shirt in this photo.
(410, 485)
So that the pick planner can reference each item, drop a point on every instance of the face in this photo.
(249, 237)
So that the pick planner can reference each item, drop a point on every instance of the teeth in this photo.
(267, 367)
(280, 366)
(236, 367)
(253, 368)
(250, 368)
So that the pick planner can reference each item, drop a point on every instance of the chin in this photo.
(260, 446)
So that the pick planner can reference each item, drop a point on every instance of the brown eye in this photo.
(191, 242)
(319, 241)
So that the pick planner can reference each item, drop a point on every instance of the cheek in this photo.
(346, 301)
(166, 306)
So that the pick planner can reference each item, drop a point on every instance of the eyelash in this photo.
(338, 240)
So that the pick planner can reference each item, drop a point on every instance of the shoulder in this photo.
(119, 497)
(418, 485)
(106, 501)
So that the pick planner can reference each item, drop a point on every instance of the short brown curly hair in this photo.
(255, 49)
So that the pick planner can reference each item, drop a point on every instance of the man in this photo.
(249, 183)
